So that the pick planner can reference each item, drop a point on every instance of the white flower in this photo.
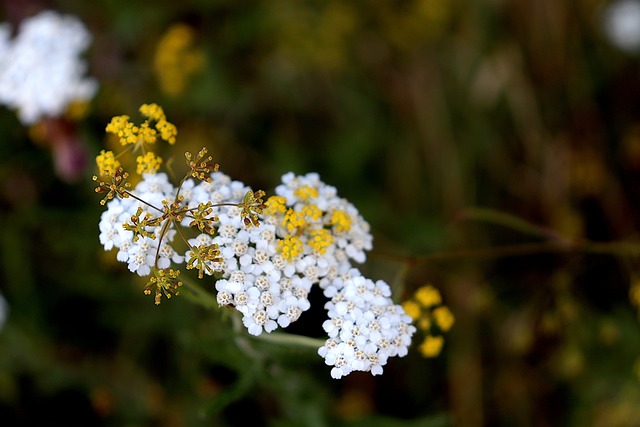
(167, 255)
(258, 322)
(112, 234)
(41, 71)
(321, 235)
(153, 189)
(142, 256)
(621, 23)
(364, 327)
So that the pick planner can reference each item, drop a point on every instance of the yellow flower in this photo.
(305, 193)
(290, 247)
(293, 220)
(313, 212)
(176, 59)
(107, 163)
(145, 133)
(341, 221)
(444, 318)
(320, 240)
(123, 129)
(149, 163)
(431, 346)
(412, 309)
(167, 131)
(428, 296)
(424, 323)
(152, 111)
(275, 205)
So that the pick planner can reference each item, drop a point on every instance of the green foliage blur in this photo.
(493, 146)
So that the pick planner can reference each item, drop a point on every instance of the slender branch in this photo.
(603, 248)
(290, 339)
(143, 201)
(183, 237)
(510, 221)
(197, 294)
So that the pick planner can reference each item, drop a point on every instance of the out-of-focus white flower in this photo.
(621, 23)
(41, 71)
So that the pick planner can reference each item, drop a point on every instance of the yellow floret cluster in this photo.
(431, 317)
(176, 59)
(275, 206)
(148, 163)
(305, 224)
(294, 221)
(290, 247)
(107, 163)
(305, 193)
(139, 138)
(320, 240)
(341, 221)
(129, 133)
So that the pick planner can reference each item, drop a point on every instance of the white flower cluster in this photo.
(140, 254)
(365, 327)
(40, 69)
(253, 277)
(621, 24)
(307, 235)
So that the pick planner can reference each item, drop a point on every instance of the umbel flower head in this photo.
(263, 257)
(41, 71)
(138, 139)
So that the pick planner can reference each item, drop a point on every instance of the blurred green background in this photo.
(488, 144)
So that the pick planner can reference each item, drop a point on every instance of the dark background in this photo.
(490, 145)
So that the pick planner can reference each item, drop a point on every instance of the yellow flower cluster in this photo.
(139, 138)
(426, 309)
(148, 163)
(305, 225)
(306, 193)
(176, 60)
(320, 240)
(293, 220)
(290, 247)
(312, 212)
(275, 206)
(341, 221)
(143, 134)
(107, 163)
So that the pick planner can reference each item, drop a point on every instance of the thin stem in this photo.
(603, 248)
(290, 339)
(510, 221)
(145, 202)
(184, 237)
(163, 231)
(197, 294)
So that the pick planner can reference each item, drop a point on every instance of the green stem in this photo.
(198, 295)
(510, 221)
(585, 246)
(290, 339)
